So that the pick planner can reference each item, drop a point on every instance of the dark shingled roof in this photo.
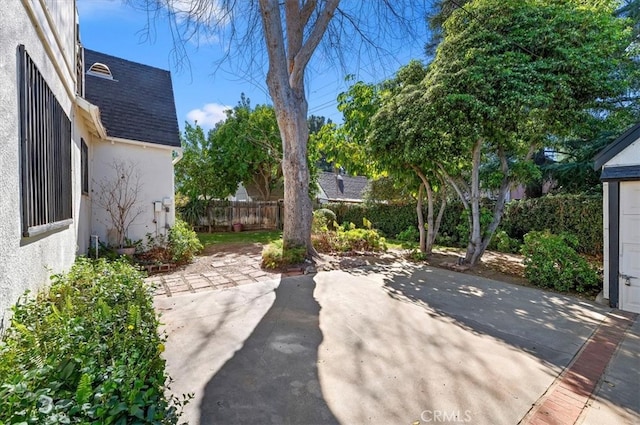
(137, 104)
(349, 188)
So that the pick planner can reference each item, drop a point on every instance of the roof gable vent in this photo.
(100, 70)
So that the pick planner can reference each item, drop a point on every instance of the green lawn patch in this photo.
(257, 236)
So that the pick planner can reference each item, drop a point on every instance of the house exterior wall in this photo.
(153, 165)
(26, 263)
(82, 203)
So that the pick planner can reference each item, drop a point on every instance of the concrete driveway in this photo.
(398, 344)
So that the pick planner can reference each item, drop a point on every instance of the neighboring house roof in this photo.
(339, 187)
(617, 146)
(136, 103)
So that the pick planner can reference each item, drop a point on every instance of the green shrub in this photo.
(580, 215)
(410, 234)
(86, 351)
(347, 237)
(354, 239)
(327, 215)
(551, 261)
(275, 257)
(503, 243)
(183, 242)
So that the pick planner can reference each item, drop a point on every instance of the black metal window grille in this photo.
(84, 163)
(45, 150)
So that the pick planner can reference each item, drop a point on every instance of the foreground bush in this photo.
(345, 237)
(86, 351)
(179, 248)
(183, 242)
(274, 257)
(552, 262)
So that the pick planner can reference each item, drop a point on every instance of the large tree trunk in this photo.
(436, 226)
(426, 246)
(289, 53)
(292, 121)
(498, 209)
(430, 226)
(474, 247)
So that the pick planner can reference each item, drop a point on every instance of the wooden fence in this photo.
(222, 215)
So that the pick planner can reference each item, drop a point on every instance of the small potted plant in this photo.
(237, 227)
(128, 248)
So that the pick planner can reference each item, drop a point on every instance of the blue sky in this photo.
(111, 27)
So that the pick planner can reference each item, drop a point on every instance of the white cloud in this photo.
(209, 115)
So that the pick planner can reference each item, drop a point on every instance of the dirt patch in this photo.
(494, 265)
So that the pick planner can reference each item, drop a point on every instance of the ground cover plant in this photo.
(86, 351)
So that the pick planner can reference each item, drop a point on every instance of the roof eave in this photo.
(94, 114)
(143, 144)
(617, 146)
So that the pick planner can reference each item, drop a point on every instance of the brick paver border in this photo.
(567, 397)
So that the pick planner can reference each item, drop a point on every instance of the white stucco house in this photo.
(620, 164)
(66, 116)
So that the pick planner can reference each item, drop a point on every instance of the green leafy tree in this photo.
(199, 174)
(402, 140)
(509, 73)
(373, 141)
(245, 148)
(281, 38)
(248, 142)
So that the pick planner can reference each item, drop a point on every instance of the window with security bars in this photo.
(45, 150)
(84, 166)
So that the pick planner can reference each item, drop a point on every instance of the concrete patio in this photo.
(396, 343)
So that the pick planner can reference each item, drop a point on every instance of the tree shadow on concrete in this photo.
(549, 326)
(273, 378)
(521, 316)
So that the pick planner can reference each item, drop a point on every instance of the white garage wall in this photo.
(629, 156)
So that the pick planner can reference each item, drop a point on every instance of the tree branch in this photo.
(304, 55)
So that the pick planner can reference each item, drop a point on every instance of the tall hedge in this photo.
(579, 215)
(388, 219)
